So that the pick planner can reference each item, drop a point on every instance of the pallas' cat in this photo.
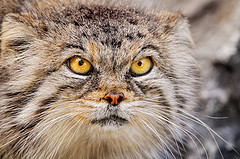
(94, 80)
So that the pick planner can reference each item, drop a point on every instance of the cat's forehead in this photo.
(103, 33)
(97, 15)
(107, 25)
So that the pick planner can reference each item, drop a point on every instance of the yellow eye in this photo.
(141, 67)
(79, 65)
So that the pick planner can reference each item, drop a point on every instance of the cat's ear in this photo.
(173, 20)
(177, 26)
(19, 30)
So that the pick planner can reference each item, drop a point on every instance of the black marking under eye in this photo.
(62, 88)
(75, 46)
(162, 98)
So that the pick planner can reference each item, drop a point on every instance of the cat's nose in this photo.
(114, 97)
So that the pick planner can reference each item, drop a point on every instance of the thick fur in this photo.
(47, 111)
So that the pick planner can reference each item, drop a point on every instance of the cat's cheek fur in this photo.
(72, 138)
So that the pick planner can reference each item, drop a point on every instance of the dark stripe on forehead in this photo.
(133, 21)
(77, 23)
(116, 43)
(93, 14)
(150, 47)
(114, 64)
(75, 46)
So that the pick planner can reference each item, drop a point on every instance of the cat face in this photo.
(101, 78)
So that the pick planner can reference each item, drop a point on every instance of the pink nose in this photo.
(114, 98)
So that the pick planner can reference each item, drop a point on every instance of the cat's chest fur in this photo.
(82, 80)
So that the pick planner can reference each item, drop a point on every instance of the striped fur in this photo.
(47, 111)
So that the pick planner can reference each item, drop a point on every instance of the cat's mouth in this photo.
(113, 120)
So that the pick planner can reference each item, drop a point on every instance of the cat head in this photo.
(97, 77)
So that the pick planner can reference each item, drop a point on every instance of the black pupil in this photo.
(81, 62)
(139, 63)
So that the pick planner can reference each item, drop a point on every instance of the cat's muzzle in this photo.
(113, 120)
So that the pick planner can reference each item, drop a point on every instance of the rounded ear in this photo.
(19, 30)
(176, 25)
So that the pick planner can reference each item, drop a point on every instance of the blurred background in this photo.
(215, 27)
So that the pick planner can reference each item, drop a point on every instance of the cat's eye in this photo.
(141, 67)
(79, 65)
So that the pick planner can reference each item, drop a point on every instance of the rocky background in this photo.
(215, 26)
